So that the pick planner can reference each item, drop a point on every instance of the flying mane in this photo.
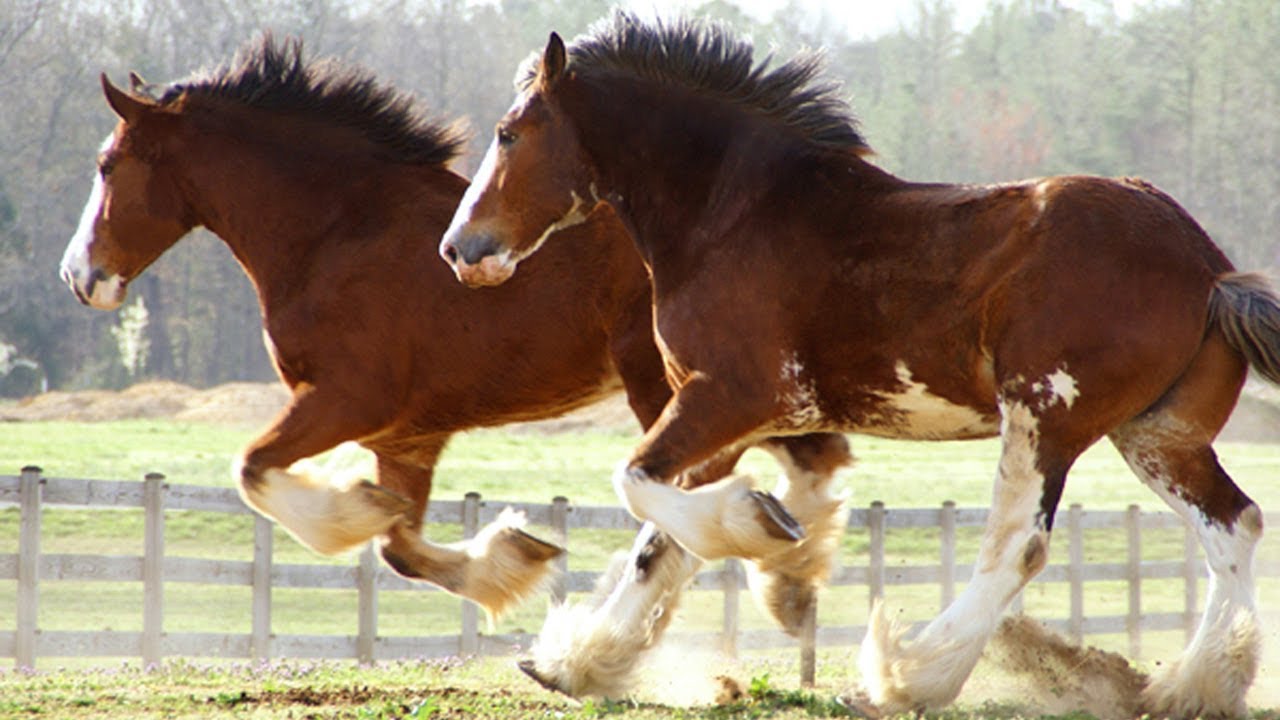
(275, 77)
(709, 57)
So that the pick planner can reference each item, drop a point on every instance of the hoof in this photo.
(775, 519)
(859, 705)
(532, 548)
(528, 667)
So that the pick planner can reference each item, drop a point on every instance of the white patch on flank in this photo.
(798, 397)
(913, 412)
(1064, 387)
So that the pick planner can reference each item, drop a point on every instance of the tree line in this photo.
(1184, 93)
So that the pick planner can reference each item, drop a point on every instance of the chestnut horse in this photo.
(324, 183)
(799, 288)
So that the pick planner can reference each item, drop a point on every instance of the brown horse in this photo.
(323, 184)
(799, 288)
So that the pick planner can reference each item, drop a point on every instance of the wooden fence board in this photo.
(368, 578)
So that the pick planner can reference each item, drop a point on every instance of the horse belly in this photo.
(918, 415)
(905, 409)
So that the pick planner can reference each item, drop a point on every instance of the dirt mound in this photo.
(1058, 677)
(231, 403)
(245, 403)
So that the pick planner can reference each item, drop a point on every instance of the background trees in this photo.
(1185, 93)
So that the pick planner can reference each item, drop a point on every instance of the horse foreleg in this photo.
(786, 585)
(929, 670)
(595, 647)
(724, 518)
(325, 516)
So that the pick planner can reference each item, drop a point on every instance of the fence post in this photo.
(1133, 623)
(153, 491)
(875, 567)
(262, 551)
(469, 640)
(560, 528)
(947, 521)
(1075, 570)
(367, 605)
(809, 645)
(731, 578)
(28, 567)
(1190, 576)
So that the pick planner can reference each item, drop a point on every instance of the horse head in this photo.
(534, 180)
(134, 212)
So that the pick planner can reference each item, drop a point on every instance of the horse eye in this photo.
(505, 137)
(105, 167)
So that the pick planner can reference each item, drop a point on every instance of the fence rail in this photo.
(31, 491)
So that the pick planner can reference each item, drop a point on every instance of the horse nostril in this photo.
(449, 253)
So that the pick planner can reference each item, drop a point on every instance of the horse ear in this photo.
(136, 83)
(553, 60)
(127, 106)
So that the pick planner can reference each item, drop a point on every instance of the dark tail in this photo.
(1247, 310)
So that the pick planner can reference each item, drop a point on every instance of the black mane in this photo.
(275, 77)
(711, 58)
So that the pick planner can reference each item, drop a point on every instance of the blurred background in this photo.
(1184, 93)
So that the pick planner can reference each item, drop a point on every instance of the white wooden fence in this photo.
(154, 569)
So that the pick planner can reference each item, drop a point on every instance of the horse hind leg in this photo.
(786, 585)
(929, 670)
(1168, 448)
(498, 568)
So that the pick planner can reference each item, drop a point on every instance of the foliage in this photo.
(1183, 93)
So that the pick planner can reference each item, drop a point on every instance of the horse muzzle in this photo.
(97, 289)
(475, 259)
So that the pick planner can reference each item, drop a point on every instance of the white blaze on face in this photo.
(76, 268)
(481, 181)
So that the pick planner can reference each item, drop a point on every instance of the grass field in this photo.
(518, 466)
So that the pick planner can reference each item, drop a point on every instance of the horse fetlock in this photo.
(1212, 678)
(789, 599)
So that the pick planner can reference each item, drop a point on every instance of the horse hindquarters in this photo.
(1168, 448)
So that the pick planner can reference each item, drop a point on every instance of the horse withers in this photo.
(799, 288)
(323, 184)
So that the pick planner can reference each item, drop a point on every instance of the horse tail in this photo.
(1246, 308)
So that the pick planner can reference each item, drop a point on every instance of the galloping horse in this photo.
(324, 184)
(799, 288)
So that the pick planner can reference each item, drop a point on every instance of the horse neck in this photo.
(269, 195)
(684, 176)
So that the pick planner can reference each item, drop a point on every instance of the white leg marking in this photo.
(930, 670)
(595, 647)
(327, 518)
(1214, 672)
(716, 520)
(785, 584)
